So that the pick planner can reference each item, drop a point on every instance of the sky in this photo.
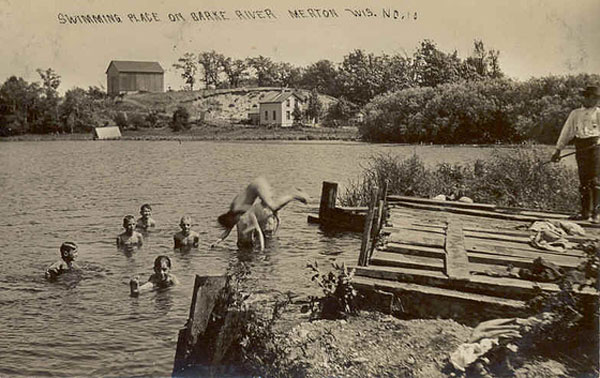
(535, 37)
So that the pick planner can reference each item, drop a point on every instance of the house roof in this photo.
(133, 66)
(278, 97)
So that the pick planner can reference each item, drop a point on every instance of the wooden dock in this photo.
(456, 260)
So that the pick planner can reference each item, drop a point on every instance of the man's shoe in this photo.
(595, 219)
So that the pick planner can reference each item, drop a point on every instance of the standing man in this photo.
(583, 126)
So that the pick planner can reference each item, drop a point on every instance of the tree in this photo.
(433, 67)
(19, 105)
(484, 63)
(314, 107)
(264, 67)
(48, 107)
(321, 76)
(188, 66)
(297, 114)
(287, 75)
(362, 76)
(212, 65)
(235, 70)
(77, 111)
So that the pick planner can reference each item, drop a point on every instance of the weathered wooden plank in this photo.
(504, 247)
(430, 302)
(397, 228)
(414, 250)
(516, 261)
(399, 219)
(468, 211)
(522, 238)
(479, 206)
(456, 261)
(363, 257)
(407, 261)
(396, 286)
(426, 239)
(499, 286)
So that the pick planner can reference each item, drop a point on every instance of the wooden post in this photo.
(328, 197)
(363, 257)
(207, 292)
(378, 220)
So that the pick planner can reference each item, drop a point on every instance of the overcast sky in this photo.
(535, 37)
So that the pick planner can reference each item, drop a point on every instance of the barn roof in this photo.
(133, 66)
(278, 97)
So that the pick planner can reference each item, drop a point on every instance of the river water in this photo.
(86, 324)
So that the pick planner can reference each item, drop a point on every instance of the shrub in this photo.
(516, 177)
(137, 120)
(180, 120)
(121, 120)
(339, 298)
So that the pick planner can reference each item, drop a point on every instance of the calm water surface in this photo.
(88, 325)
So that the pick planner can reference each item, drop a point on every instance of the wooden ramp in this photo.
(458, 260)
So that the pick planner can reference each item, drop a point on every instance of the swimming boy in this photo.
(68, 254)
(186, 238)
(129, 239)
(160, 279)
(145, 221)
(255, 208)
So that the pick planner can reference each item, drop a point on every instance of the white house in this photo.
(277, 109)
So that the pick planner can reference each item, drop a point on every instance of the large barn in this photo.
(130, 76)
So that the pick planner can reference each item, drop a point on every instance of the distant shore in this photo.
(228, 133)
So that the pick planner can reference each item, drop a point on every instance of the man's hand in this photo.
(555, 156)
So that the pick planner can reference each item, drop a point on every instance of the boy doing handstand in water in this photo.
(254, 211)
(160, 279)
(68, 254)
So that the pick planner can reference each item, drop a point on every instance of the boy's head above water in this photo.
(68, 251)
(146, 210)
(129, 222)
(162, 266)
(185, 223)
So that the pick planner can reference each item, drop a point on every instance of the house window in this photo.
(266, 115)
(287, 115)
(274, 115)
(287, 102)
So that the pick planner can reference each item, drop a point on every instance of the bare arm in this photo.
(256, 227)
(136, 289)
(223, 236)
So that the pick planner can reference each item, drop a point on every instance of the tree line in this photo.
(486, 111)
(358, 78)
(429, 96)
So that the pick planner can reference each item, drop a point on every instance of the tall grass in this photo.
(516, 177)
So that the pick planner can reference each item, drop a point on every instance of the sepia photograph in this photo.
(334, 188)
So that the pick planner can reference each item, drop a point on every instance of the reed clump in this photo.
(512, 177)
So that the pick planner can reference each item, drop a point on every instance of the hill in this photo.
(213, 106)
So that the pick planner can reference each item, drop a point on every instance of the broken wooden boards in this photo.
(453, 264)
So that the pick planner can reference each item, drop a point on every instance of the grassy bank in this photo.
(224, 132)
(516, 177)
